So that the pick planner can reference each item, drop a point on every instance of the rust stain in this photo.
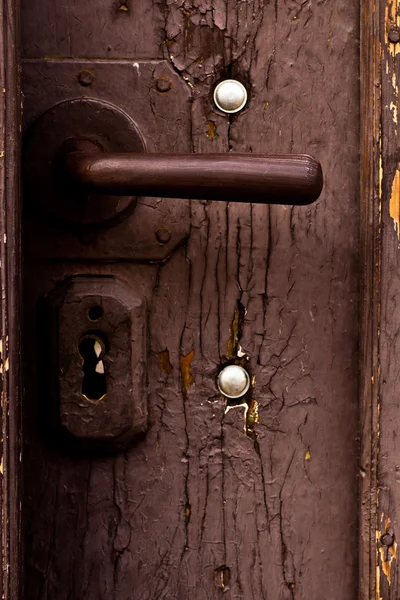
(394, 209)
(187, 377)
(211, 129)
(164, 362)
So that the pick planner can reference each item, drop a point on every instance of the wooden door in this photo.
(256, 499)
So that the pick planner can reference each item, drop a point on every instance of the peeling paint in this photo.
(386, 553)
(387, 556)
(307, 455)
(392, 19)
(237, 321)
(211, 130)
(164, 362)
(187, 377)
(394, 209)
(252, 417)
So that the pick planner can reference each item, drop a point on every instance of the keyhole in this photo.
(92, 349)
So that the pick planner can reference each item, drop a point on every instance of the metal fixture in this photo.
(230, 96)
(94, 164)
(94, 363)
(233, 381)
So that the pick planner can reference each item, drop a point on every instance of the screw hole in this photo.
(95, 313)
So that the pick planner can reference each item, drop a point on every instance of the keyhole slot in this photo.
(92, 349)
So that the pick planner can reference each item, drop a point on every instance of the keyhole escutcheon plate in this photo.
(95, 367)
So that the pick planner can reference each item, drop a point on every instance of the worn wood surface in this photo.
(258, 501)
(370, 318)
(10, 318)
(387, 193)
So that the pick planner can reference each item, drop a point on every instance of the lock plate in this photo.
(160, 118)
(94, 371)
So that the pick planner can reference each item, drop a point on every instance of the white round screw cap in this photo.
(230, 96)
(233, 381)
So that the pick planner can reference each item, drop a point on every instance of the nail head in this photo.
(394, 35)
(163, 85)
(85, 78)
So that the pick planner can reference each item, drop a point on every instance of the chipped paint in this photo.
(164, 362)
(393, 108)
(378, 583)
(235, 330)
(307, 455)
(392, 19)
(394, 207)
(211, 130)
(252, 416)
(387, 556)
(386, 553)
(185, 362)
(240, 352)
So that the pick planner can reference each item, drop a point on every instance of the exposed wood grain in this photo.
(370, 230)
(10, 275)
(256, 501)
(387, 288)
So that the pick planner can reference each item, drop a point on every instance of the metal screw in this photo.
(394, 35)
(163, 85)
(233, 381)
(85, 78)
(163, 235)
(230, 96)
(387, 539)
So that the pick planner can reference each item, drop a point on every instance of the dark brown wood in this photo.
(258, 500)
(370, 297)
(294, 179)
(10, 317)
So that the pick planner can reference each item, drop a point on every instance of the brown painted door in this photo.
(256, 499)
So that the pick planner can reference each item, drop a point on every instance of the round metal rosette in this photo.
(92, 124)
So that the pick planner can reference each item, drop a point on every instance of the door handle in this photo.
(85, 163)
(258, 178)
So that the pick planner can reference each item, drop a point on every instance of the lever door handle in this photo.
(85, 164)
(286, 179)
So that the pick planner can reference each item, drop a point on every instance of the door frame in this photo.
(11, 383)
(10, 299)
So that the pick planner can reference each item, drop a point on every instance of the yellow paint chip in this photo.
(394, 208)
(307, 455)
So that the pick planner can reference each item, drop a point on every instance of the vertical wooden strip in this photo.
(10, 224)
(370, 226)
